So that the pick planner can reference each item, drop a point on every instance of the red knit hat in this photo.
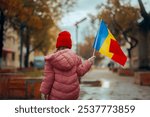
(64, 40)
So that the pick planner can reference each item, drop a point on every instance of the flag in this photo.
(107, 45)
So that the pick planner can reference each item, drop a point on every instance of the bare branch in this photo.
(143, 11)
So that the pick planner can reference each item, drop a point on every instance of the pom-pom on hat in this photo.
(64, 40)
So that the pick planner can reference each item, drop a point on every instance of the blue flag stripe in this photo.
(101, 36)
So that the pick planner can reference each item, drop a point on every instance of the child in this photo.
(63, 70)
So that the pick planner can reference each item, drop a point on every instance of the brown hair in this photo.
(62, 48)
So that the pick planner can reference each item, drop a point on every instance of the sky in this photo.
(80, 11)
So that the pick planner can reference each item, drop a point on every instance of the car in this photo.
(39, 62)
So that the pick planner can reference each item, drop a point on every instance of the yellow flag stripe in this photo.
(106, 45)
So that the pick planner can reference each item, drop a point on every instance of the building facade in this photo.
(140, 59)
(10, 49)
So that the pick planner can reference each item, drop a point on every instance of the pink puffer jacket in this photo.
(62, 72)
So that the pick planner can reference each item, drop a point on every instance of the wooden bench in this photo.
(142, 78)
(3, 88)
(125, 72)
(20, 88)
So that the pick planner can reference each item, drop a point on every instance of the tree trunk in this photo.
(144, 26)
(27, 44)
(133, 43)
(2, 20)
(143, 55)
(21, 44)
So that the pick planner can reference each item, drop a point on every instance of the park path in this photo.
(102, 84)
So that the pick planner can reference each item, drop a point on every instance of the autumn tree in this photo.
(22, 16)
(2, 18)
(57, 9)
(122, 19)
(7, 10)
(47, 35)
(130, 25)
(37, 22)
(34, 18)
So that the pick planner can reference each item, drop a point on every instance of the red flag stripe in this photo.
(118, 54)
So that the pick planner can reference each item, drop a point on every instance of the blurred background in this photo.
(29, 29)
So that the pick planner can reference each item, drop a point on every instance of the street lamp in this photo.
(76, 24)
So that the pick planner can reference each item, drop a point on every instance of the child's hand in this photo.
(91, 59)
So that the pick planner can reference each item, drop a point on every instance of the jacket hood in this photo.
(62, 60)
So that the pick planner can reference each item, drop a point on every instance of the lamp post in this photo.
(76, 25)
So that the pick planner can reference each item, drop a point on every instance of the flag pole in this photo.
(94, 52)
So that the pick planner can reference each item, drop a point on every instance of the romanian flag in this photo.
(107, 45)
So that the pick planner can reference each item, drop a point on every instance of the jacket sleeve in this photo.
(84, 67)
(48, 79)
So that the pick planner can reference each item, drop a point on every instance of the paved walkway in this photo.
(102, 84)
